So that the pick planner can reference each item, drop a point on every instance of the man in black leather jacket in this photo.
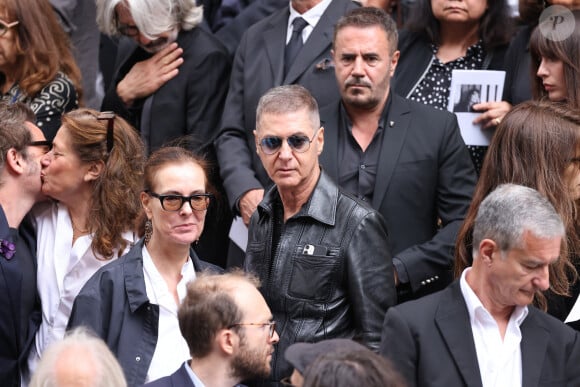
(322, 256)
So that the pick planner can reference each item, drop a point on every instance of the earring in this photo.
(148, 230)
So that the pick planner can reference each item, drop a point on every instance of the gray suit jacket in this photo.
(431, 343)
(259, 66)
(424, 175)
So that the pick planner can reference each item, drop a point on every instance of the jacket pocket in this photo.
(313, 277)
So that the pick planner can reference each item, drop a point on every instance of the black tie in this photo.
(295, 43)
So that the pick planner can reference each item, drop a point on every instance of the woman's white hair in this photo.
(91, 350)
(152, 17)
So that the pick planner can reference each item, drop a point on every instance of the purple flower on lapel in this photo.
(7, 249)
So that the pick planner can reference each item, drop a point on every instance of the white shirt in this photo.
(312, 16)
(500, 361)
(171, 349)
(63, 269)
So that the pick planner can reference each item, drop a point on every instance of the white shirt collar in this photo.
(312, 16)
(474, 303)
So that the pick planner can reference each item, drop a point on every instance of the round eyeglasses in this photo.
(271, 325)
(172, 203)
(298, 143)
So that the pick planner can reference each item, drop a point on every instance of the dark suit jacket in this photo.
(424, 174)
(431, 343)
(179, 378)
(259, 66)
(256, 10)
(15, 337)
(189, 104)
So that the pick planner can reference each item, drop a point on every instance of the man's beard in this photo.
(250, 363)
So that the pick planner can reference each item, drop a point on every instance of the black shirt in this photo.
(358, 171)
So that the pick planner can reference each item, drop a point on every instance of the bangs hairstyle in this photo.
(42, 47)
(567, 51)
(115, 200)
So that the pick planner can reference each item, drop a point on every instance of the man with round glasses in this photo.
(321, 255)
(229, 330)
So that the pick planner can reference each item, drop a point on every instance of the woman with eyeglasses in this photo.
(132, 303)
(36, 63)
(92, 174)
(537, 145)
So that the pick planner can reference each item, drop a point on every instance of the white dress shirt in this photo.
(171, 349)
(63, 269)
(312, 16)
(500, 361)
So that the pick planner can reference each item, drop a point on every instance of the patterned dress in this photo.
(54, 99)
(433, 90)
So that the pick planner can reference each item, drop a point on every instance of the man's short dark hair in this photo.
(13, 131)
(365, 17)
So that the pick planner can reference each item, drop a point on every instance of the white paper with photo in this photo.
(469, 87)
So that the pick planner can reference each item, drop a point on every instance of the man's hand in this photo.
(146, 77)
(249, 202)
(492, 113)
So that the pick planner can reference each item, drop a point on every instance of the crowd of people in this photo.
(279, 193)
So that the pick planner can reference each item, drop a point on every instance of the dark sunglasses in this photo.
(298, 143)
(110, 118)
(198, 202)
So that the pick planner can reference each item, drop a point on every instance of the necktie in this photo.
(295, 43)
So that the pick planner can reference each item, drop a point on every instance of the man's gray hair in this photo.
(96, 353)
(509, 211)
(288, 99)
(152, 17)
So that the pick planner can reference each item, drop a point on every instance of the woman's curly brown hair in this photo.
(115, 199)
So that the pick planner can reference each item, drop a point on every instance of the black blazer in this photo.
(189, 104)
(16, 339)
(430, 342)
(424, 174)
(259, 66)
(179, 378)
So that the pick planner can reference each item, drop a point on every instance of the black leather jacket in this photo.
(332, 274)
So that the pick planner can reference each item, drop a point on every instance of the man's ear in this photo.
(257, 144)
(320, 136)
(487, 248)
(94, 171)
(227, 341)
(14, 162)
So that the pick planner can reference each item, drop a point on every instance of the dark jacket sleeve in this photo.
(398, 345)
(233, 151)
(456, 182)
(371, 284)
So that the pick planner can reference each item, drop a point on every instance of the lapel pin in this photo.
(391, 124)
